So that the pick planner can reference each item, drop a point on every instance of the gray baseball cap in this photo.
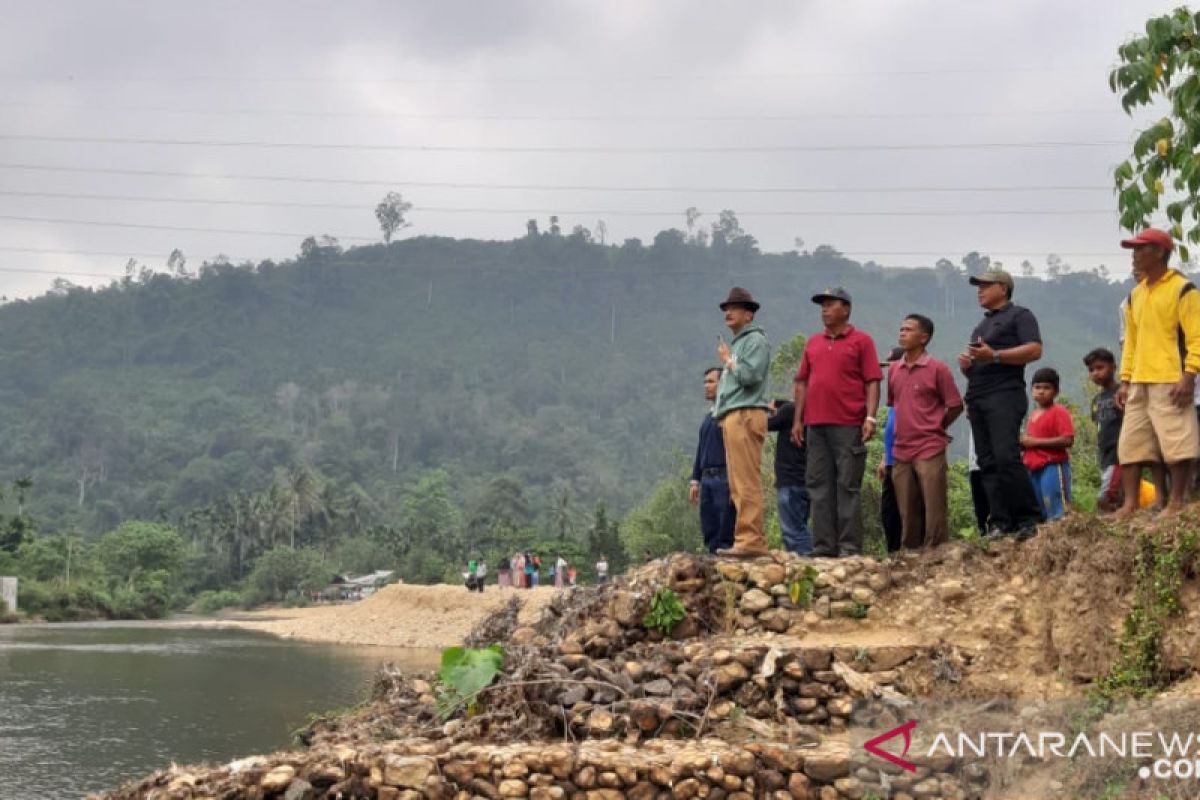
(832, 293)
(992, 276)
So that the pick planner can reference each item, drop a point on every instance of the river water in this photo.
(85, 707)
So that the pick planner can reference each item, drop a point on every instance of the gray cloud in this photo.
(855, 72)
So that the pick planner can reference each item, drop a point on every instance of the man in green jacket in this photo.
(741, 411)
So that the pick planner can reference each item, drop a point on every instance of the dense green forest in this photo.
(412, 403)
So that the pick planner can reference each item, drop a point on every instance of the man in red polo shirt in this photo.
(837, 394)
(926, 402)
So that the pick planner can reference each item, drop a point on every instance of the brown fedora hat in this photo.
(739, 297)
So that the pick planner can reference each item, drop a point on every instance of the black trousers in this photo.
(837, 458)
(979, 500)
(889, 512)
(996, 425)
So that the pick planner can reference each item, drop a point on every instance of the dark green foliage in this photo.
(436, 399)
(139, 549)
(666, 611)
(59, 603)
(210, 602)
(1162, 66)
(282, 571)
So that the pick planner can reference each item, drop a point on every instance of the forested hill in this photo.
(542, 375)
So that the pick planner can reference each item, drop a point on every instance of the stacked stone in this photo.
(723, 596)
(653, 689)
(709, 768)
(609, 708)
(842, 589)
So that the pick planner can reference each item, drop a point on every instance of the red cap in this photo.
(1151, 236)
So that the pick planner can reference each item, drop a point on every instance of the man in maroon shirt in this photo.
(837, 394)
(923, 396)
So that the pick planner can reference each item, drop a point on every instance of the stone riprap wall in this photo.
(780, 593)
(661, 769)
(742, 699)
(655, 689)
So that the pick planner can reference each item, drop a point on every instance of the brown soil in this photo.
(1039, 619)
(401, 615)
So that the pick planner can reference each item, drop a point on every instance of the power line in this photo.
(542, 186)
(296, 234)
(565, 149)
(173, 228)
(854, 253)
(57, 273)
(594, 78)
(106, 253)
(481, 117)
(356, 207)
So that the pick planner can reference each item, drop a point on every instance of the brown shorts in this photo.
(1155, 429)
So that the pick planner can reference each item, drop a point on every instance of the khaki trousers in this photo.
(744, 430)
(921, 494)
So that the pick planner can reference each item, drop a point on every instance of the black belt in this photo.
(711, 472)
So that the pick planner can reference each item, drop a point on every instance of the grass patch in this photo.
(1161, 562)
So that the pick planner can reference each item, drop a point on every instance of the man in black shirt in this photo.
(994, 362)
(790, 489)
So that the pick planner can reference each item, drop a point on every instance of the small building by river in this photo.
(8, 592)
(346, 588)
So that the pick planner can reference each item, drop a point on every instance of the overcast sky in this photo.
(107, 101)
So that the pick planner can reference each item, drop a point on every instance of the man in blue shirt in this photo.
(710, 485)
(889, 508)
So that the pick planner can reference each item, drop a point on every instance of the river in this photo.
(85, 707)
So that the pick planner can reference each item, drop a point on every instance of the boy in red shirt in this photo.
(1047, 441)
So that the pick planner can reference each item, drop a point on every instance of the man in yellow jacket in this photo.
(1159, 362)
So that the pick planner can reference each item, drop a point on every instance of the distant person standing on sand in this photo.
(560, 572)
(602, 569)
(518, 564)
(503, 573)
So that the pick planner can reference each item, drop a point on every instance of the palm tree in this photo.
(560, 513)
(22, 485)
(303, 494)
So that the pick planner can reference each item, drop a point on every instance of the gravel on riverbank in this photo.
(400, 615)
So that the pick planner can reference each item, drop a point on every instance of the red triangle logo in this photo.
(905, 730)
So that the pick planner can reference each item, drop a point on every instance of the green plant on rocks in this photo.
(1159, 569)
(858, 610)
(463, 674)
(666, 611)
(802, 587)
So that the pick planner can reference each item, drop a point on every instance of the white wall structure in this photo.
(8, 592)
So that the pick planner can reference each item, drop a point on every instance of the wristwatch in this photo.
(995, 356)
